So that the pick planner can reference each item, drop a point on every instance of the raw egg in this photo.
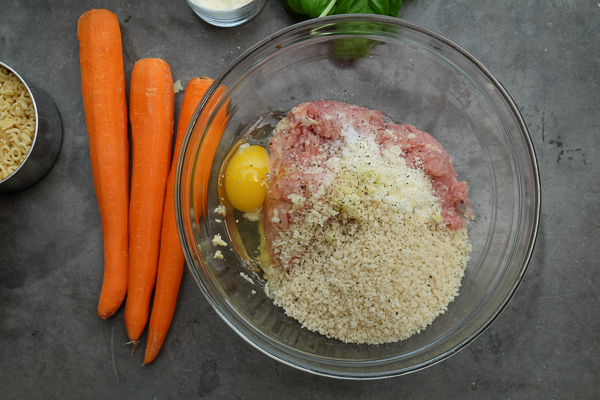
(246, 178)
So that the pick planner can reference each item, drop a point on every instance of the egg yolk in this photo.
(246, 178)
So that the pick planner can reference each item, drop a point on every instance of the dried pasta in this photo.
(17, 122)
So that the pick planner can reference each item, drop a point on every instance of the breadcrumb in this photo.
(217, 241)
(221, 210)
(247, 278)
(177, 87)
(371, 261)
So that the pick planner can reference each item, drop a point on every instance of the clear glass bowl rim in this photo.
(536, 201)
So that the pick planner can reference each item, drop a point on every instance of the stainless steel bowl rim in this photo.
(35, 134)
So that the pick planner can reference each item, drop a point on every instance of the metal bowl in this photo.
(46, 141)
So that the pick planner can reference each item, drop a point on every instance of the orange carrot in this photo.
(103, 90)
(171, 261)
(208, 149)
(151, 112)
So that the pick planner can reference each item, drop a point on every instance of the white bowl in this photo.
(228, 18)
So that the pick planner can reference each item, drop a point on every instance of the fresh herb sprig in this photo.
(306, 9)
(349, 47)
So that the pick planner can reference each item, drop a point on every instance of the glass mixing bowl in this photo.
(411, 75)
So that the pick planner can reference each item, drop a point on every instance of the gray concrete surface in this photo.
(545, 345)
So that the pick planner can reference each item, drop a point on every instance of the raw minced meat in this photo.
(363, 224)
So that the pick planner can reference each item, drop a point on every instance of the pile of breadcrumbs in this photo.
(385, 267)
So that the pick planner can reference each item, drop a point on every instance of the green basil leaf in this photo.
(305, 9)
(349, 48)
(353, 48)
(394, 7)
(380, 7)
(357, 47)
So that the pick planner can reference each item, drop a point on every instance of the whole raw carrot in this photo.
(209, 147)
(171, 261)
(103, 90)
(151, 113)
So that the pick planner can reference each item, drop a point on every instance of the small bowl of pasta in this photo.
(30, 132)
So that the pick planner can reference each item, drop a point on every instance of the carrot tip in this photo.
(105, 316)
(135, 344)
(149, 358)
